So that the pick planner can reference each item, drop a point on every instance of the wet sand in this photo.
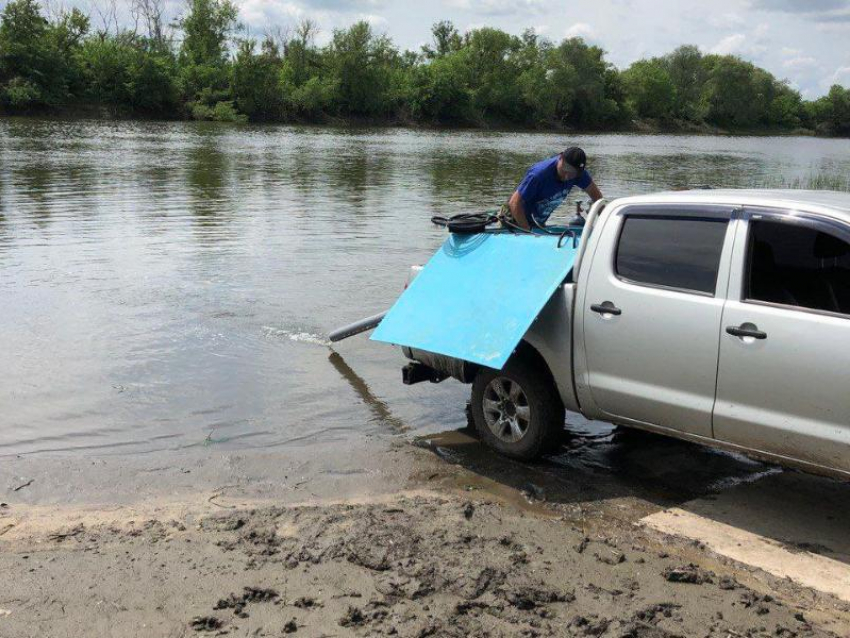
(438, 538)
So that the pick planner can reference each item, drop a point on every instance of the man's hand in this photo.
(517, 209)
(593, 191)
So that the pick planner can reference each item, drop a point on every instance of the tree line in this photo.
(204, 66)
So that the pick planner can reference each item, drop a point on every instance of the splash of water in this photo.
(297, 335)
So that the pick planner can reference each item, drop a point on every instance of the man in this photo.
(547, 184)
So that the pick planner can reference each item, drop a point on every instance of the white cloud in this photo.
(580, 30)
(800, 62)
(730, 45)
(372, 19)
(841, 76)
(749, 46)
(726, 20)
(833, 27)
(263, 13)
(788, 52)
(498, 7)
(795, 6)
(761, 30)
(343, 6)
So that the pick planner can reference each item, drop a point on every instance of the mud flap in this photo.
(478, 295)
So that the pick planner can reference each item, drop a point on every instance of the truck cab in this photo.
(722, 317)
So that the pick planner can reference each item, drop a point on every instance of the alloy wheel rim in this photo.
(506, 409)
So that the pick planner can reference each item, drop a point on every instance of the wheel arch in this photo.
(532, 355)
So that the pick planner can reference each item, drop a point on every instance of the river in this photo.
(170, 285)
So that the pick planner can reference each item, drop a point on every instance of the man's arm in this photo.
(517, 209)
(593, 191)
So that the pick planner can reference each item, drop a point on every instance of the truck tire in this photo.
(517, 410)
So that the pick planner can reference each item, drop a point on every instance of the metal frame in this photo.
(804, 219)
(595, 211)
(698, 212)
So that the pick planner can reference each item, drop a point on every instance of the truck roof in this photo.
(835, 203)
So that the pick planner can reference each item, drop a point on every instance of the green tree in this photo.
(302, 60)
(731, 93)
(256, 81)
(491, 56)
(786, 110)
(534, 86)
(446, 40)
(587, 89)
(441, 90)
(831, 113)
(206, 30)
(360, 67)
(105, 63)
(153, 80)
(36, 57)
(25, 60)
(203, 60)
(688, 74)
(650, 89)
(129, 73)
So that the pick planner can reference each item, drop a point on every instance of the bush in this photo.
(650, 89)
(221, 112)
(440, 91)
(20, 94)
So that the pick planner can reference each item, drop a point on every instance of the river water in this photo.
(170, 285)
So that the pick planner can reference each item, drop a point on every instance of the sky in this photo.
(806, 42)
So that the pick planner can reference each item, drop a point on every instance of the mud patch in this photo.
(411, 566)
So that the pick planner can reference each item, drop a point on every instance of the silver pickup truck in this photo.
(720, 317)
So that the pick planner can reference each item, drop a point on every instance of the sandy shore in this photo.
(444, 545)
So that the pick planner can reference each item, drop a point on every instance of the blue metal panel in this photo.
(478, 295)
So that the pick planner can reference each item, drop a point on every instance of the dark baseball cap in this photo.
(575, 157)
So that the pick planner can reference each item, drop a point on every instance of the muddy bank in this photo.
(446, 547)
(435, 564)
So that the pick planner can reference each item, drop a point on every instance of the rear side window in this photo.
(674, 252)
(795, 265)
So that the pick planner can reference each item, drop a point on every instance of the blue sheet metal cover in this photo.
(478, 295)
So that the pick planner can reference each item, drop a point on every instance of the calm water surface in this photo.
(168, 285)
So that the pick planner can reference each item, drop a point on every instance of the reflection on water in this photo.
(155, 277)
(379, 408)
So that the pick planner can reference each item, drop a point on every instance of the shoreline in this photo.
(453, 542)
(638, 127)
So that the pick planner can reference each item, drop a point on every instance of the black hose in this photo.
(466, 223)
(474, 223)
(569, 232)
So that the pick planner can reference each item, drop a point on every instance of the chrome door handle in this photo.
(741, 331)
(606, 308)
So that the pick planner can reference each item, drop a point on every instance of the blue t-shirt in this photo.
(542, 192)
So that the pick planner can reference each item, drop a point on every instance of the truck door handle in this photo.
(606, 308)
(744, 331)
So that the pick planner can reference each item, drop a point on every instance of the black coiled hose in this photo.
(466, 223)
(474, 223)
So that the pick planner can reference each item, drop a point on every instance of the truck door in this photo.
(785, 343)
(651, 310)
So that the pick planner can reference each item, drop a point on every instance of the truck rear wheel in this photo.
(517, 410)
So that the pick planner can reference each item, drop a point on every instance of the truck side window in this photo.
(795, 265)
(674, 252)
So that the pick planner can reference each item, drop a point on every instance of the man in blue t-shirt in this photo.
(547, 184)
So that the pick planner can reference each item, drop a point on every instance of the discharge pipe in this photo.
(356, 328)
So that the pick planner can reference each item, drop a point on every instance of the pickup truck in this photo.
(717, 316)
